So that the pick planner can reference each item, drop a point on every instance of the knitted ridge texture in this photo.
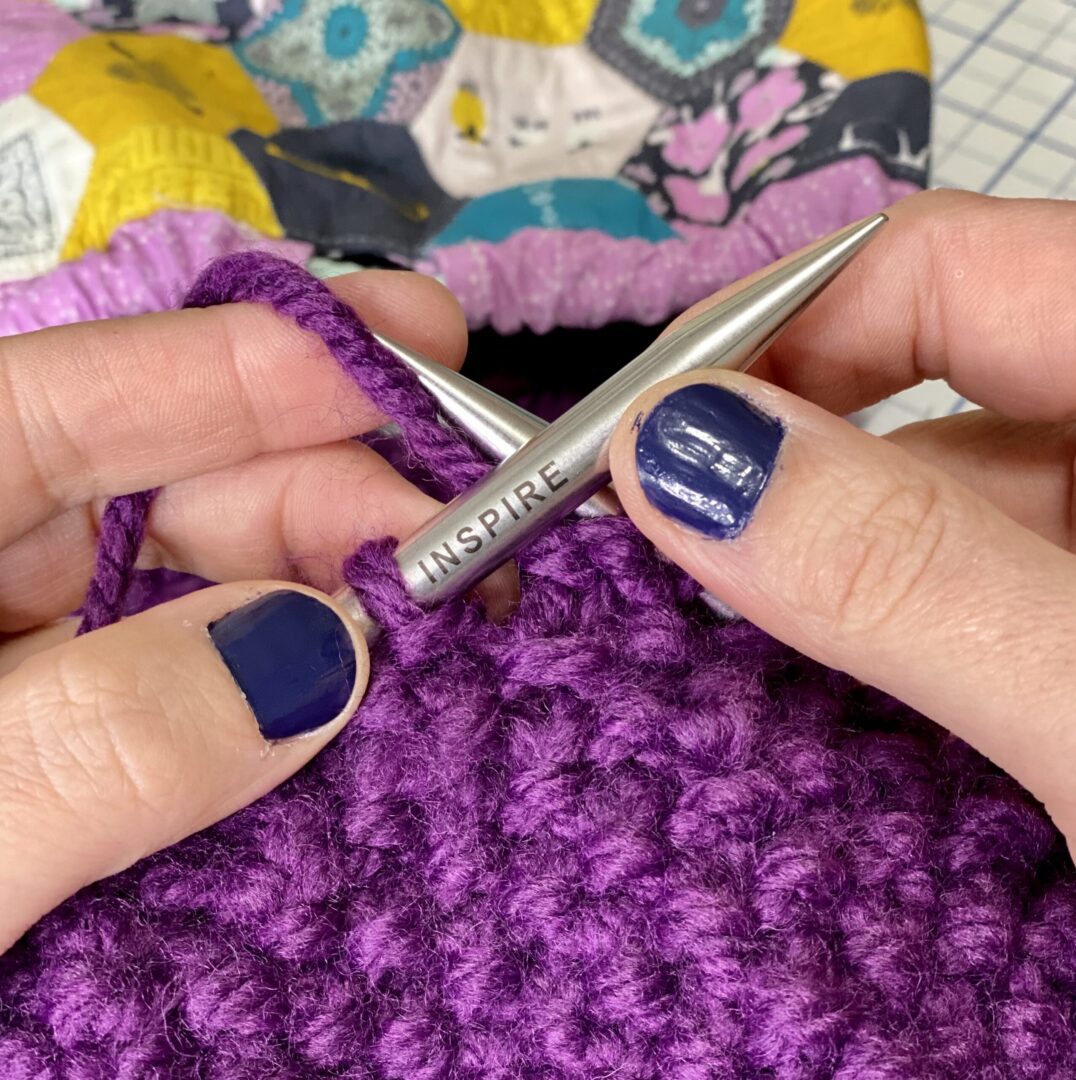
(611, 838)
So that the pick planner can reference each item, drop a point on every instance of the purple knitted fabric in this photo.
(608, 839)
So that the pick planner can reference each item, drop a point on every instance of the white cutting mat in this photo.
(1004, 124)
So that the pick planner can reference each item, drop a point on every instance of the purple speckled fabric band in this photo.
(30, 34)
(542, 278)
(148, 267)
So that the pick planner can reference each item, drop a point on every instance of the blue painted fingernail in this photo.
(704, 457)
(293, 659)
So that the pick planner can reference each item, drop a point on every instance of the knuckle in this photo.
(873, 555)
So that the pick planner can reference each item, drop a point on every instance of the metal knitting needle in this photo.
(498, 426)
(568, 462)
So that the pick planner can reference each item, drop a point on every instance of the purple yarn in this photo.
(609, 838)
(123, 528)
(258, 277)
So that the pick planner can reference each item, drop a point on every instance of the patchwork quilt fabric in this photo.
(555, 162)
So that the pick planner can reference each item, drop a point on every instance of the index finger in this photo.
(974, 290)
(106, 408)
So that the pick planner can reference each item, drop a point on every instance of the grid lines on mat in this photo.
(1004, 123)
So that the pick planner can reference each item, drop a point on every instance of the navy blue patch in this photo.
(886, 117)
(355, 188)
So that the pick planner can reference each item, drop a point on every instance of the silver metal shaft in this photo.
(498, 426)
(501, 427)
(566, 463)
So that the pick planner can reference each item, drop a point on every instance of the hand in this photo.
(936, 563)
(123, 741)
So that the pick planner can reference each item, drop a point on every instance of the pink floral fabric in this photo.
(699, 165)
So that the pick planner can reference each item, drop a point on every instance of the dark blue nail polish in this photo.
(293, 659)
(704, 456)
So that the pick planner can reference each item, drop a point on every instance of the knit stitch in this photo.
(610, 838)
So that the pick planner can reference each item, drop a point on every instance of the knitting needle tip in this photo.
(736, 331)
(497, 426)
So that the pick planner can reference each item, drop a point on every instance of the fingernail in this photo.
(293, 659)
(704, 456)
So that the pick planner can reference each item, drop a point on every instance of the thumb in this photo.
(120, 742)
(845, 547)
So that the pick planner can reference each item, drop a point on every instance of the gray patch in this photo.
(648, 63)
(26, 222)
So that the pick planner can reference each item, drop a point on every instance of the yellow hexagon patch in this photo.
(106, 84)
(858, 38)
(158, 111)
(549, 22)
(157, 168)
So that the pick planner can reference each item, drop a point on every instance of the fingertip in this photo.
(699, 452)
(935, 202)
(956, 287)
(123, 741)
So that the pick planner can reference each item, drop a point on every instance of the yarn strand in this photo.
(257, 277)
(123, 528)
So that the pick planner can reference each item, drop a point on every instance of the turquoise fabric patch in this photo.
(345, 32)
(680, 50)
(688, 35)
(606, 205)
(334, 61)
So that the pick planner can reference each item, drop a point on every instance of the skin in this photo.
(935, 563)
